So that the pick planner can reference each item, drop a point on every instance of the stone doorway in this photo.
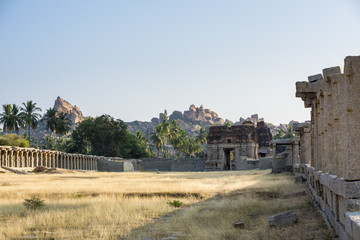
(229, 158)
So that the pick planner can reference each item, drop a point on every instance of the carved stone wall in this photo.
(232, 148)
(329, 151)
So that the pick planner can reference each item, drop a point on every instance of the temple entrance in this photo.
(229, 158)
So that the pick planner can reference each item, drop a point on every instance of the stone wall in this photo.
(285, 154)
(329, 154)
(172, 164)
(108, 165)
(17, 157)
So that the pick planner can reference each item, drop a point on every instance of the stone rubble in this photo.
(283, 219)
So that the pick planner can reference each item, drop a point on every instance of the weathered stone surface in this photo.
(315, 78)
(334, 174)
(74, 113)
(283, 219)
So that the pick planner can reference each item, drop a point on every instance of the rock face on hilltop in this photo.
(191, 120)
(74, 113)
(196, 117)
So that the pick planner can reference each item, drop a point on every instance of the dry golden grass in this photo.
(97, 205)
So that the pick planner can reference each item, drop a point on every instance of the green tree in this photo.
(192, 147)
(49, 143)
(50, 119)
(30, 116)
(5, 117)
(144, 141)
(158, 137)
(16, 121)
(13, 140)
(105, 136)
(202, 137)
(63, 124)
(289, 133)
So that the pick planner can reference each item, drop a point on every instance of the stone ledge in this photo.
(337, 185)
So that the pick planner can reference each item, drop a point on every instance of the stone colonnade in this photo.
(329, 150)
(29, 157)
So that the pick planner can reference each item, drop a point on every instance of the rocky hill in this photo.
(74, 113)
(191, 120)
(196, 117)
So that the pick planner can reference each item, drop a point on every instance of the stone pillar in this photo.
(46, 159)
(329, 106)
(5, 158)
(72, 161)
(41, 158)
(36, 158)
(61, 160)
(1, 157)
(67, 164)
(295, 152)
(57, 159)
(352, 76)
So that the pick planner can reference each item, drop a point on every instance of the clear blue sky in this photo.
(133, 59)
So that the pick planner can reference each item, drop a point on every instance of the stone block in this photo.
(239, 225)
(352, 65)
(327, 72)
(352, 224)
(283, 219)
(314, 78)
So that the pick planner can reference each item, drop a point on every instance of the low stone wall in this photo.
(173, 164)
(188, 165)
(108, 165)
(250, 164)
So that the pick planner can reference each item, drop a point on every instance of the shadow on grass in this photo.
(167, 224)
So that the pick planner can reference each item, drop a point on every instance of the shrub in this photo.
(175, 203)
(13, 140)
(34, 203)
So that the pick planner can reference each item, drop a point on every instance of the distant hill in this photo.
(74, 113)
(195, 118)
(191, 120)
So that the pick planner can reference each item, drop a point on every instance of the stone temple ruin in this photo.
(329, 154)
(238, 147)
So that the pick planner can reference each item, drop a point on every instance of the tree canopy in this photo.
(106, 136)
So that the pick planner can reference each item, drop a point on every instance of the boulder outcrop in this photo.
(74, 113)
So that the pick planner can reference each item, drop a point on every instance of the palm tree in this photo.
(63, 124)
(5, 117)
(30, 116)
(144, 141)
(192, 147)
(179, 142)
(201, 138)
(158, 138)
(16, 121)
(51, 120)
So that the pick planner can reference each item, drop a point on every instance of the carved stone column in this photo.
(352, 76)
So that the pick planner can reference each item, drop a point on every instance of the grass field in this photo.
(96, 205)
